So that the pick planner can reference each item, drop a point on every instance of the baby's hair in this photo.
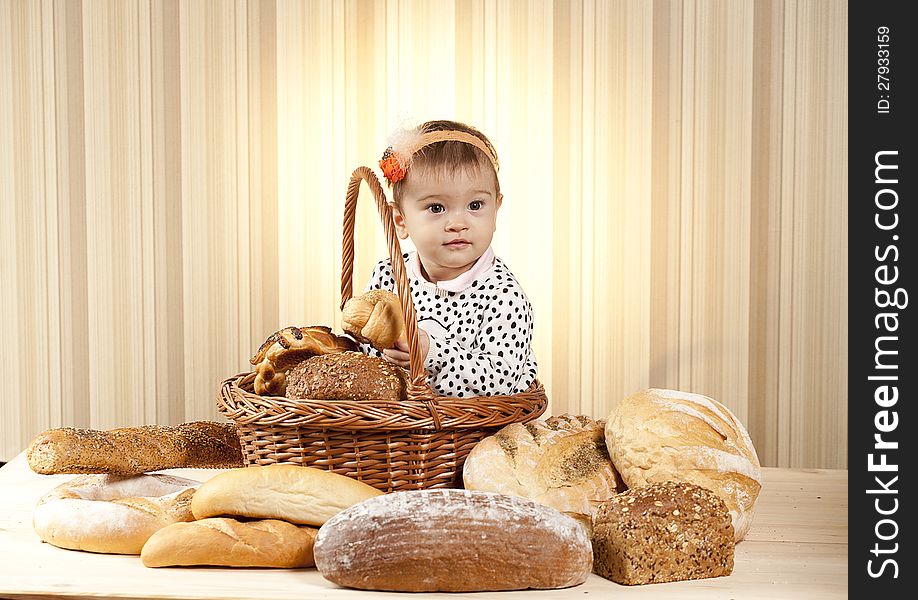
(449, 155)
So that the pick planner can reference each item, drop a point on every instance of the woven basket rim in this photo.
(240, 404)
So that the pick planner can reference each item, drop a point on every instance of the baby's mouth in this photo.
(458, 243)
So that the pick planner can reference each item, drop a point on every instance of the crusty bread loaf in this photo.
(231, 543)
(347, 376)
(452, 541)
(111, 513)
(660, 435)
(663, 532)
(561, 462)
(302, 495)
(133, 450)
(289, 346)
(375, 318)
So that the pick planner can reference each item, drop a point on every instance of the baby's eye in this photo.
(476, 205)
(435, 208)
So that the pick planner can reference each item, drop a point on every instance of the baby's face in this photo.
(451, 218)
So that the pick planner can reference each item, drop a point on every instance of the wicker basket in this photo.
(415, 444)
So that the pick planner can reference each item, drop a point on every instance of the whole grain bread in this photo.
(661, 532)
(133, 450)
(346, 376)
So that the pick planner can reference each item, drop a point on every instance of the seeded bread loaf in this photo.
(561, 462)
(663, 532)
(134, 450)
(346, 376)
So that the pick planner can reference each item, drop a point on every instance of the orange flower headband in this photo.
(397, 157)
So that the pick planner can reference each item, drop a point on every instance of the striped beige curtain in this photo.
(172, 176)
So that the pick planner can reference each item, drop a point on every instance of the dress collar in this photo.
(463, 281)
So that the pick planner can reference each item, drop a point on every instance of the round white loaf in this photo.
(561, 462)
(112, 514)
(452, 541)
(661, 435)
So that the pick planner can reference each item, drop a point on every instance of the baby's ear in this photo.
(500, 199)
(399, 219)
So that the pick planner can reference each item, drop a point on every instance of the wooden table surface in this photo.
(797, 548)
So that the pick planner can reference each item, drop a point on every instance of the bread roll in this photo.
(658, 435)
(347, 376)
(375, 318)
(663, 532)
(111, 513)
(452, 541)
(302, 495)
(133, 450)
(561, 462)
(288, 347)
(231, 543)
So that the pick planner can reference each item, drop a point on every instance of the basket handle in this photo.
(418, 387)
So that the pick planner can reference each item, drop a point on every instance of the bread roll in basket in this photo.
(415, 444)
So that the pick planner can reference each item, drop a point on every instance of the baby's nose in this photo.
(456, 223)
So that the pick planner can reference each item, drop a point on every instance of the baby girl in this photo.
(474, 320)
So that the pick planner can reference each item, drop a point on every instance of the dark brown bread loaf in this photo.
(662, 532)
(452, 541)
(134, 450)
(346, 376)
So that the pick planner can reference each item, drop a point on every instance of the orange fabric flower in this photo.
(391, 167)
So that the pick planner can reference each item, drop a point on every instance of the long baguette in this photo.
(134, 450)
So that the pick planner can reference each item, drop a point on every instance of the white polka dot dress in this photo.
(480, 337)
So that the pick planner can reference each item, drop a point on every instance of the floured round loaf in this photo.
(226, 542)
(561, 462)
(452, 541)
(112, 514)
(660, 435)
(292, 493)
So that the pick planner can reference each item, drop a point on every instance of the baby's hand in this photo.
(399, 353)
